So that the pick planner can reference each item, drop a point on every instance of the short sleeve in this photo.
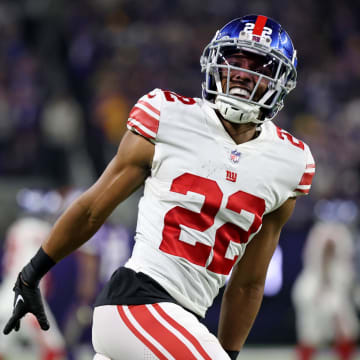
(144, 117)
(303, 188)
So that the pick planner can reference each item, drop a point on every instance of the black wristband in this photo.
(38, 266)
(233, 354)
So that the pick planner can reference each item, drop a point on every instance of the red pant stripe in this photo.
(160, 333)
(182, 330)
(138, 335)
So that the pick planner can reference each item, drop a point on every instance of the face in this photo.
(241, 82)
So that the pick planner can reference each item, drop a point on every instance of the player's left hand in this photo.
(27, 300)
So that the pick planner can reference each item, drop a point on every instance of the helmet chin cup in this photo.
(237, 111)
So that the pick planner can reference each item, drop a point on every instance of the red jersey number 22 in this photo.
(199, 253)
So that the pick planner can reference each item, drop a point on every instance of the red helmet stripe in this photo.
(259, 25)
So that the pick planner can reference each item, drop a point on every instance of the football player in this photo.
(23, 238)
(221, 180)
(325, 312)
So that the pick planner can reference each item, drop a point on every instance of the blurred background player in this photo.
(23, 238)
(84, 273)
(90, 267)
(322, 293)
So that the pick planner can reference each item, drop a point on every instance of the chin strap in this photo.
(239, 112)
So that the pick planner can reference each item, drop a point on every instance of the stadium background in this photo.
(71, 70)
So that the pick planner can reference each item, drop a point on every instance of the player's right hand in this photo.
(27, 300)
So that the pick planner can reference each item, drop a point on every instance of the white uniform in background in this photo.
(322, 293)
(202, 205)
(23, 239)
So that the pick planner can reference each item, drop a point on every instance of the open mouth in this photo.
(240, 92)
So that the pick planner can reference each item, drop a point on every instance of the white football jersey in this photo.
(206, 195)
(341, 263)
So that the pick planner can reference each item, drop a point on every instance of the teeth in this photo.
(239, 91)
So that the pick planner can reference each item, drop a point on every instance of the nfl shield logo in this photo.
(235, 156)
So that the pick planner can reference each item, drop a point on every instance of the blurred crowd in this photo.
(71, 70)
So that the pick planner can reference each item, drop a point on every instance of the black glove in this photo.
(27, 293)
(27, 300)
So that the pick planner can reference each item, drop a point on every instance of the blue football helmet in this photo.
(253, 36)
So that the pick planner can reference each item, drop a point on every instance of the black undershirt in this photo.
(127, 287)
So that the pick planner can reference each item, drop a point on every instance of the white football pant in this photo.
(162, 331)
